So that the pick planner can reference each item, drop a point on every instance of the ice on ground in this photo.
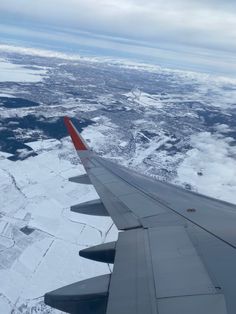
(18, 73)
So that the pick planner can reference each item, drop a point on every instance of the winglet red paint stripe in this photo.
(74, 134)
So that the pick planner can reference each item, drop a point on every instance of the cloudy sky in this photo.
(182, 33)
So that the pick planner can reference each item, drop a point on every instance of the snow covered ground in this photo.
(209, 167)
(176, 126)
(39, 236)
(10, 72)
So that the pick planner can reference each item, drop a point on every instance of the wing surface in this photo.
(177, 252)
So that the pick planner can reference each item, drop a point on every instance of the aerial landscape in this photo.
(173, 124)
(132, 116)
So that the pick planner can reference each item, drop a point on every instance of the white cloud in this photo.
(210, 166)
(201, 32)
(189, 22)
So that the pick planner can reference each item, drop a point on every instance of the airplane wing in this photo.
(175, 252)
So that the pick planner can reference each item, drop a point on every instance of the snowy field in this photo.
(173, 125)
(39, 236)
(16, 73)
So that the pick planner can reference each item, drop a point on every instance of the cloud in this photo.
(160, 23)
(183, 21)
(214, 157)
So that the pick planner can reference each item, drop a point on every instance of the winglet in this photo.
(75, 136)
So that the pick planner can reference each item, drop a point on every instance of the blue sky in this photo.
(191, 34)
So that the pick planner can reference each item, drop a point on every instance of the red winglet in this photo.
(74, 134)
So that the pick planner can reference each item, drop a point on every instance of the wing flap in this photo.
(132, 287)
(177, 268)
(158, 271)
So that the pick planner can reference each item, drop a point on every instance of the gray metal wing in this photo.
(177, 252)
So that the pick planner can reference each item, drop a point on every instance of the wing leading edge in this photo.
(177, 254)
